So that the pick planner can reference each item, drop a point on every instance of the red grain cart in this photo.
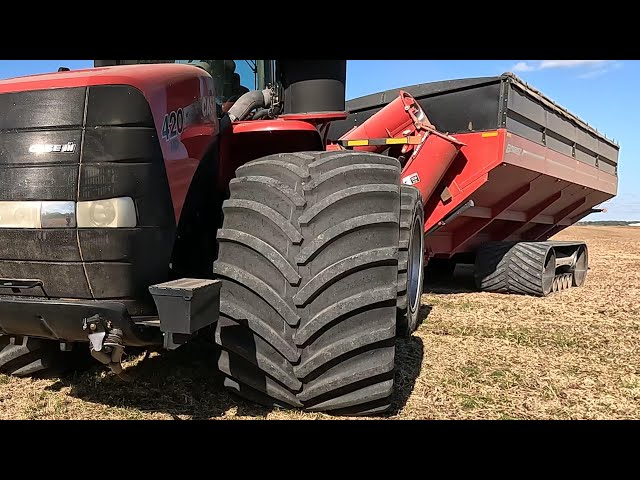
(527, 170)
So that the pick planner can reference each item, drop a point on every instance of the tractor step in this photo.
(185, 306)
(530, 268)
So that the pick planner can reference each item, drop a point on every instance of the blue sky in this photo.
(604, 93)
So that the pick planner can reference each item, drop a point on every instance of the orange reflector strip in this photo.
(414, 140)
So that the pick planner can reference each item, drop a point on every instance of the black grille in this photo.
(115, 153)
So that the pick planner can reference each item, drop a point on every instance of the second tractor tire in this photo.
(22, 356)
(308, 258)
(410, 260)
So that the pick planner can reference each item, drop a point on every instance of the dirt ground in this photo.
(573, 355)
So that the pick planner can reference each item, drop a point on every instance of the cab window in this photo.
(232, 78)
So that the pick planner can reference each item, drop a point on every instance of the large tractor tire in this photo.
(308, 257)
(26, 356)
(579, 274)
(410, 260)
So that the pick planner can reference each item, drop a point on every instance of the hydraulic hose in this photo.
(260, 113)
(248, 102)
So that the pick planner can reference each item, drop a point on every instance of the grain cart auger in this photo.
(146, 204)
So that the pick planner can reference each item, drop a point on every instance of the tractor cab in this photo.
(232, 78)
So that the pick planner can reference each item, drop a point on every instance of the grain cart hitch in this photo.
(185, 306)
(105, 342)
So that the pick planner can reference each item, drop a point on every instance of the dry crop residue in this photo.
(572, 355)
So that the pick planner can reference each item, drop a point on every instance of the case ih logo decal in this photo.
(208, 107)
(68, 147)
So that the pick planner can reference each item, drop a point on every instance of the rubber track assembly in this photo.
(527, 268)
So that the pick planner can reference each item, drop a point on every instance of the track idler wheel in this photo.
(562, 282)
(579, 274)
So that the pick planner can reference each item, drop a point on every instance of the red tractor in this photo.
(146, 204)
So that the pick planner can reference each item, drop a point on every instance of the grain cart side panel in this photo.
(528, 192)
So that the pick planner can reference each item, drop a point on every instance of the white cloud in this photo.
(522, 67)
(591, 68)
(570, 63)
(594, 73)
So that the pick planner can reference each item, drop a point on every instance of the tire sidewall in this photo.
(413, 308)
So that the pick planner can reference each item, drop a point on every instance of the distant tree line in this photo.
(609, 223)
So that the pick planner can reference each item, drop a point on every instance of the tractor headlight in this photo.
(20, 214)
(110, 213)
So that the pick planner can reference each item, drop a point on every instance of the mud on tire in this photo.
(308, 256)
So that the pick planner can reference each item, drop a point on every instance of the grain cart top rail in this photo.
(529, 168)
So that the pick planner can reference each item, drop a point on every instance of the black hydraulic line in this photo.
(261, 113)
(461, 209)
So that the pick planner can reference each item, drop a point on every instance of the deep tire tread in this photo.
(341, 268)
(341, 308)
(276, 339)
(337, 304)
(254, 350)
(312, 248)
(249, 375)
(280, 221)
(242, 277)
(263, 248)
(344, 196)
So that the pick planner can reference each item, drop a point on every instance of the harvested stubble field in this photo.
(573, 355)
